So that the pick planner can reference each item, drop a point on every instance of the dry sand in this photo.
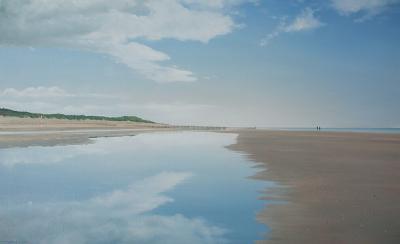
(339, 187)
(50, 132)
(19, 124)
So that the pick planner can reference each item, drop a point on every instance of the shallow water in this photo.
(366, 130)
(181, 187)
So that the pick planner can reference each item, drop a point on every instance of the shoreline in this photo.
(337, 187)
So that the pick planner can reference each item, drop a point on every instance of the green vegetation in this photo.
(12, 113)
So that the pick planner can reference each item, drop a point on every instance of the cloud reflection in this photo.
(121, 216)
(151, 143)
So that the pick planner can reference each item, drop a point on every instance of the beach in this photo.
(23, 132)
(33, 124)
(333, 187)
(200, 121)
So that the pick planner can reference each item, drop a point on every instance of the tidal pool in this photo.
(181, 187)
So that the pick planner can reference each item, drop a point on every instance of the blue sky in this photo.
(224, 62)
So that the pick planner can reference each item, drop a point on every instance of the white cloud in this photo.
(268, 38)
(305, 21)
(43, 92)
(144, 60)
(218, 3)
(371, 7)
(115, 28)
(122, 216)
(35, 92)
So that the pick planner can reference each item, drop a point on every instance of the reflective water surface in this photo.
(182, 187)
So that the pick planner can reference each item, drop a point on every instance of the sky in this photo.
(271, 63)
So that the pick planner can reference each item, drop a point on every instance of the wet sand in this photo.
(338, 187)
(66, 137)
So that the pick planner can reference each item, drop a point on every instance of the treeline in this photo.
(11, 113)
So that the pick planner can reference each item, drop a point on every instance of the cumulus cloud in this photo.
(116, 27)
(305, 21)
(371, 7)
(122, 216)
